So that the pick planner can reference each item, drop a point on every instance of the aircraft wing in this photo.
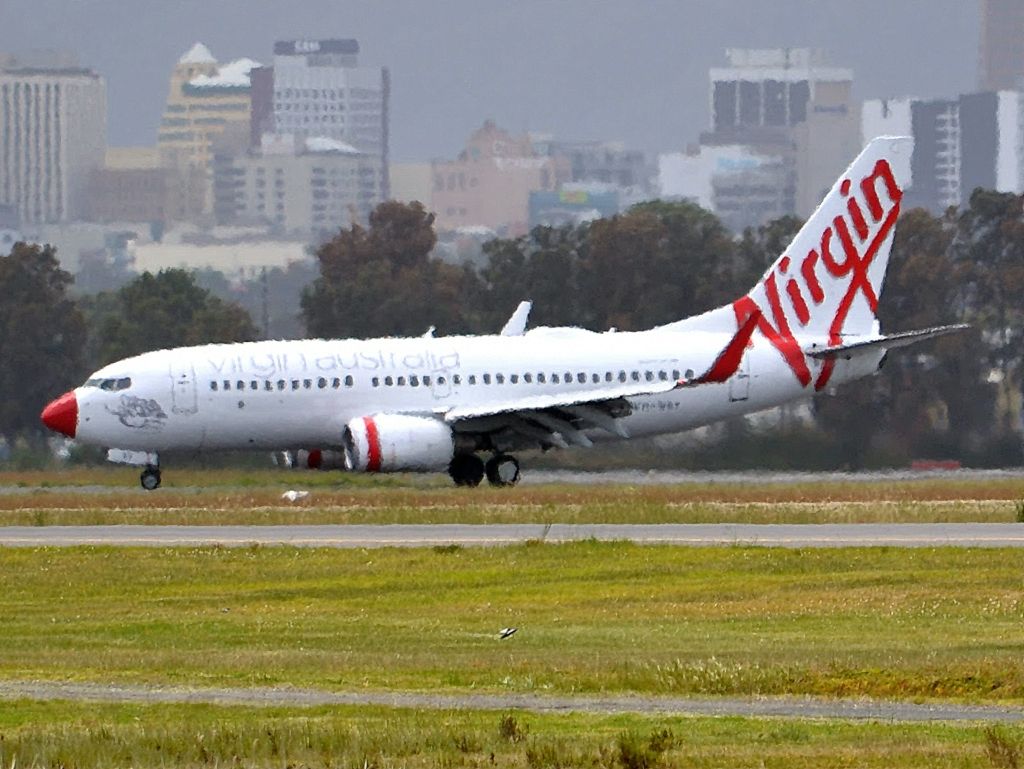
(891, 342)
(556, 419)
(560, 418)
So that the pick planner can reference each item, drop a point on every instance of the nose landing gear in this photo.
(150, 478)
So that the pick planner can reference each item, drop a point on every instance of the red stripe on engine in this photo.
(372, 446)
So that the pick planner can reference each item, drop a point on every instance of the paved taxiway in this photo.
(776, 707)
(426, 535)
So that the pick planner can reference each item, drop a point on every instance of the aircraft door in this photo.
(739, 383)
(184, 394)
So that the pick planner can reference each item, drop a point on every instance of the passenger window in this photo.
(554, 379)
(622, 376)
(213, 386)
(388, 381)
(581, 378)
(349, 381)
(281, 384)
(268, 385)
(663, 376)
(689, 373)
(568, 377)
(540, 378)
(527, 378)
(400, 381)
(239, 385)
(456, 379)
(375, 382)
(487, 378)
(499, 378)
(608, 376)
(254, 385)
(472, 379)
(225, 385)
(295, 384)
(514, 379)
(307, 383)
(649, 376)
(426, 381)
(635, 376)
(675, 374)
(321, 383)
(441, 380)
(414, 381)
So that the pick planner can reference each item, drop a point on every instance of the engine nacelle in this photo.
(383, 443)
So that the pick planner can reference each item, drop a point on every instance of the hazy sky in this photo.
(631, 70)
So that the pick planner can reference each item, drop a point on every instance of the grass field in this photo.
(63, 734)
(593, 617)
(238, 497)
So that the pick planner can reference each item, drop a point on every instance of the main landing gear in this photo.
(469, 470)
(150, 478)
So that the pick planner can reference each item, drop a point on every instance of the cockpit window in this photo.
(111, 384)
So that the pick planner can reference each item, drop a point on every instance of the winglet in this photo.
(728, 361)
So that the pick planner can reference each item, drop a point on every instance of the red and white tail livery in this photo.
(464, 404)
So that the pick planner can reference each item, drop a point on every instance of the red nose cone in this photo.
(61, 415)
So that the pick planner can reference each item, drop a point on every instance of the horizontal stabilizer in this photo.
(890, 342)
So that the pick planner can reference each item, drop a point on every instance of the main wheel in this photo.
(150, 478)
(503, 470)
(466, 470)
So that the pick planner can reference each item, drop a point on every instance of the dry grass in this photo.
(223, 497)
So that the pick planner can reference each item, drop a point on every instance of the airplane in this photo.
(437, 404)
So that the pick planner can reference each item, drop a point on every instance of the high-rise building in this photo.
(1001, 53)
(53, 133)
(791, 117)
(316, 88)
(974, 140)
(205, 102)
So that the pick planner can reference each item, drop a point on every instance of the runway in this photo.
(754, 707)
(469, 535)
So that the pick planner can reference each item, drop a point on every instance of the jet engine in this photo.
(391, 442)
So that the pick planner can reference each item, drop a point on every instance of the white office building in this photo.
(319, 90)
(53, 134)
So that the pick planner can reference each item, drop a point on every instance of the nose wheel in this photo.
(150, 478)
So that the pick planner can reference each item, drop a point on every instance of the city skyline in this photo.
(575, 69)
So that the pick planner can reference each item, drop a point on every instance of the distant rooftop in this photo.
(326, 144)
(303, 47)
(197, 54)
(234, 74)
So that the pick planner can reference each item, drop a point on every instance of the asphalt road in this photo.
(775, 707)
(426, 535)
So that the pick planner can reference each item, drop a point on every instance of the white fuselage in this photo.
(300, 394)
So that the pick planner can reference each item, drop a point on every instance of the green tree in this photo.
(161, 311)
(989, 251)
(656, 263)
(381, 280)
(41, 337)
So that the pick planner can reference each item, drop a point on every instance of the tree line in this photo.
(957, 397)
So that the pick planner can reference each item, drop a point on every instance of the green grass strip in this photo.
(592, 617)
